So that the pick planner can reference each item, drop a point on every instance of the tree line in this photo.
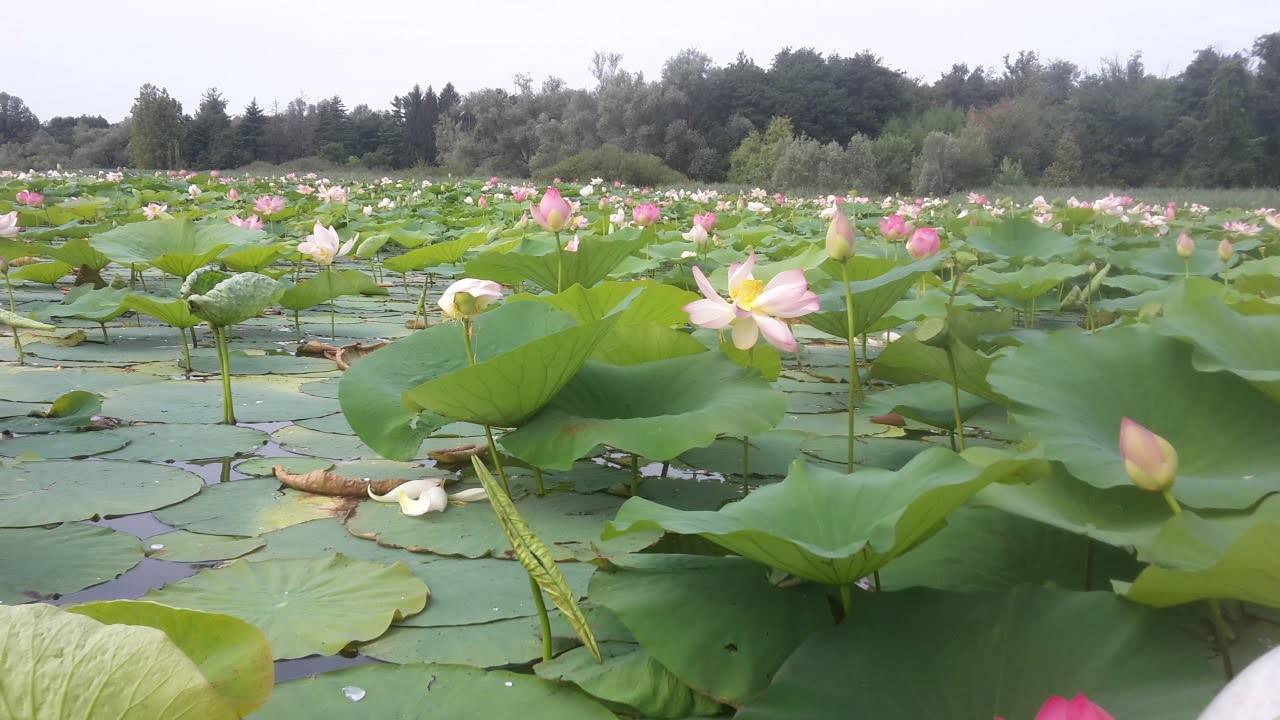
(807, 120)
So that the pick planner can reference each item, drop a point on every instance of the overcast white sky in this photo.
(90, 56)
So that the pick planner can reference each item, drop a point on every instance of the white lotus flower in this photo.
(324, 246)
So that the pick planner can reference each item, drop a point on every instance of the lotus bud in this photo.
(1077, 708)
(1185, 246)
(1150, 460)
(467, 297)
(1225, 250)
(646, 214)
(840, 240)
(924, 243)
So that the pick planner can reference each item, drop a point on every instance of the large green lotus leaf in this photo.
(1026, 283)
(254, 258)
(43, 493)
(76, 252)
(169, 442)
(231, 654)
(248, 508)
(89, 304)
(188, 547)
(1120, 516)
(257, 399)
(1223, 557)
(1071, 391)
(28, 384)
(259, 363)
(993, 655)
(569, 523)
(642, 342)
(657, 410)
(442, 253)
(987, 549)
(371, 391)
(1224, 338)
(63, 666)
(1020, 238)
(46, 273)
(468, 592)
(40, 563)
(629, 680)
(1164, 261)
(171, 311)
(1259, 276)
(327, 535)
(906, 361)
(305, 607)
(735, 628)
(14, 320)
(428, 692)
(876, 283)
(71, 411)
(513, 641)
(826, 526)
(177, 247)
(638, 301)
(507, 390)
(236, 299)
(927, 402)
(595, 259)
(326, 285)
(60, 446)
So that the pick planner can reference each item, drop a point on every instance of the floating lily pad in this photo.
(248, 508)
(178, 401)
(42, 493)
(173, 441)
(244, 363)
(188, 547)
(305, 607)
(56, 446)
(27, 384)
(514, 641)
(40, 563)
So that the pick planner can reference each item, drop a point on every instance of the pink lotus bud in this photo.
(552, 212)
(839, 237)
(482, 202)
(924, 243)
(520, 194)
(215, 173)
(1150, 461)
(706, 220)
(1225, 250)
(779, 199)
(233, 194)
(1170, 210)
(895, 227)
(1077, 708)
(646, 214)
(1185, 247)
(29, 197)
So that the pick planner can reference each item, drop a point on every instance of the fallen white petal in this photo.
(470, 495)
(412, 490)
(433, 499)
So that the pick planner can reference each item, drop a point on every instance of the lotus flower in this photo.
(253, 222)
(1184, 246)
(323, 245)
(1150, 460)
(923, 243)
(1077, 708)
(335, 195)
(268, 204)
(839, 236)
(977, 199)
(233, 194)
(193, 191)
(553, 212)
(467, 297)
(696, 235)
(1242, 228)
(155, 211)
(572, 245)
(707, 221)
(753, 306)
(29, 197)
(520, 194)
(895, 227)
(1225, 250)
(646, 214)
(9, 224)
(586, 190)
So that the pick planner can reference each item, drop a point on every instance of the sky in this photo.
(90, 56)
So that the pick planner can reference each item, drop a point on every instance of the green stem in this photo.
(17, 341)
(855, 381)
(955, 397)
(1220, 634)
(542, 618)
(224, 363)
(559, 264)
(635, 475)
(105, 339)
(1171, 501)
(488, 431)
(746, 465)
(186, 352)
(537, 482)
(333, 310)
(422, 300)
(846, 599)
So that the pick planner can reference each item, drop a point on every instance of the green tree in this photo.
(756, 158)
(252, 133)
(156, 129)
(210, 140)
(1227, 150)
(1266, 50)
(17, 122)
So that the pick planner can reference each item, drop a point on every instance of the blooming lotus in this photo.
(839, 236)
(193, 191)
(1242, 228)
(520, 194)
(9, 224)
(29, 197)
(1150, 461)
(924, 243)
(1077, 708)
(467, 297)
(572, 245)
(706, 220)
(895, 227)
(155, 211)
(253, 222)
(268, 204)
(696, 235)
(977, 199)
(324, 246)
(646, 214)
(754, 307)
(586, 190)
(335, 195)
(553, 212)
(1273, 219)
(233, 194)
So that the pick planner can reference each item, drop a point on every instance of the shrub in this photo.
(893, 162)
(614, 163)
(948, 163)
(754, 160)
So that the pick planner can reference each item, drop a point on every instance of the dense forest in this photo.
(805, 121)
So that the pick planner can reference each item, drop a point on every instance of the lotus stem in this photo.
(421, 311)
(542, 618)
(224, 363)
(186, 352)
(333, 310)
(855, 381)
(488, 431)
(665, 467)
(1220, 634)
(846, 600)
(559, 265)
(635, 475)
(955, 398)
(746, 465)
(537, 482)
(105, 339)
(17, 341)
(1171, 501)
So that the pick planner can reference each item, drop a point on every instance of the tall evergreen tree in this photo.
(209, 143)
(17, 122)
(156, 129)
(252, 132)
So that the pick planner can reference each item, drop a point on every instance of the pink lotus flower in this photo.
(29, 197)
(9, 224)
(155, 211)
(1170, 210)
(1242, 228)
(467, 297)
(646, 214)
(779, 199)
(233, 194)
(839, 236)
(707, 220)
(977, 199)
(552, 212)
(1077, 708)
(520, 194)
(924, 243)
(324, 246)
(753, 306)
(253, 222)
(268, 204)
(572, 245)
(1185, 247)
(483, 202)
(696, 235)
(1150, 461)
(335, 195)
(214, 173)
(895, 227)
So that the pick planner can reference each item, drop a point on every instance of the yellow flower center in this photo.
(746, 292)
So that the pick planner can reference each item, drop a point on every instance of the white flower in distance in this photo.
(586, 190)
(155, 211)
(467, 297)
(368, 210)
(324, 246)
(696, 235)
(9, 224)
(193, 191)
